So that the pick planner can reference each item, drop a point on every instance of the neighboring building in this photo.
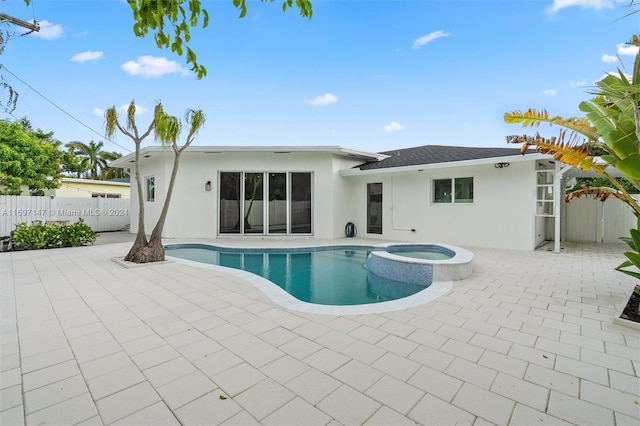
(89, 188)
(489, 197)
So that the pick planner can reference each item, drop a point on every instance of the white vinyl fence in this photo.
(589, 220)
(101, 214)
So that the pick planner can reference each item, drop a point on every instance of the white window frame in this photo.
(452, 197)
(147, 196)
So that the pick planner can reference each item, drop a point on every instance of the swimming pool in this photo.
(332, 276)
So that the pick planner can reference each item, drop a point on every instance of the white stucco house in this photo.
(469, 196)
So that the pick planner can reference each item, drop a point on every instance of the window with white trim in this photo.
(455, 190)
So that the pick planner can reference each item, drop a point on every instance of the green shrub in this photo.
(52, 235)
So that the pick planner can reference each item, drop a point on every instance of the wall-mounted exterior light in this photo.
(501, 165)
(207, 185)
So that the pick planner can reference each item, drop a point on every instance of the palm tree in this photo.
(612, 125)
(93, 153)
(167, 129)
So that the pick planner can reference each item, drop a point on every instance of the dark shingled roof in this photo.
(433, 154)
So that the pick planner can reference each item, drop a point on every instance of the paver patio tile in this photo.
(535, 356)
(487, 342)
(313, 385)
(368, 334)
(484, 403)
(582, 370)
(185, 338)
(604, 335)
(399, 367)
(434, 411)
(553, 380)
(169, 371)
(396, 328)
(462, 350)
(297, 412)
(431, 357)
(43, 360)
(48, 375)
(12, 416)
(264, 398)
(284, 369)
(335, 340)
(472, 373)
(395, 394)
(604, 396)
(436, 383)
(386, 416)
(126, 402)
(10, 397)
(260, 354)
(9, 362)
(428, 338)
(155, 356)
(577, 411)
(54, 393)
(622, 351)
(241, 419)
(300, 347)
(527, 393)
(311, 330)
(115, 381)
(209, 409)
(238, 379)
(155, 415)
(99, 350)
(32, 347)
(363, 352)
(523, 415)
(514, 336)
(326, 360)
(397, 345)
(478, 325)
(348, 406)
(10, 378)
(357, 375)
(624, 382)
(84, 329)
(278, 336)
(540, 331)
(608, 361)
(185, 389)
(558, 348)
(92, 339)
(166, 330)
(217, 362)
(503, 363)
(343, 324)
(68, 412)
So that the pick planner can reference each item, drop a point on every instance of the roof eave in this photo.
(450, 164)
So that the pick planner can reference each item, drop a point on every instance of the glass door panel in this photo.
(253, 203)
(277, 203)
(230, 202)
(300, 203)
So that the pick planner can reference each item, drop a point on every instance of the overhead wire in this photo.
(2, 66)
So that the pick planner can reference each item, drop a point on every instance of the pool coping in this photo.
(287, 301)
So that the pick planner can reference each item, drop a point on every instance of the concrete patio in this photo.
(527, 339)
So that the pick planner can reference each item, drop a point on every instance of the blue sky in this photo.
(369, 75)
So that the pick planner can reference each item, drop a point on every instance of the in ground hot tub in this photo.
(421, 264)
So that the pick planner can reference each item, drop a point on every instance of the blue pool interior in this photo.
(322, 275)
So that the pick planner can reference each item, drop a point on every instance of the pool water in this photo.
(326, 276)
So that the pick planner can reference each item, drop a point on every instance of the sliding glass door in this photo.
(265, 203)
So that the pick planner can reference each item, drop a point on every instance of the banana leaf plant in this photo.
(611, 125)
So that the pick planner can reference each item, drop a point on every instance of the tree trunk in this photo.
(137, 250)
(153, 250)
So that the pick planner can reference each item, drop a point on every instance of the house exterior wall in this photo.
(193, 211)
(76, 189)
(501, 215)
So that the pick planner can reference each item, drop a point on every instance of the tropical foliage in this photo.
(52, 235)
(27, 160)
(91, 161)
(611, 125)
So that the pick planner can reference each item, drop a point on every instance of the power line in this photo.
(60, 108)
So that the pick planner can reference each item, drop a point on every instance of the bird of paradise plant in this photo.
(612, 124)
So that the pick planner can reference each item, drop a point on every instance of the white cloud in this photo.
(394, 126)
(580, 83)
(429, 38)
(549, 92)
(48, 30)
(98, 112)
(150, 66)
(87, 56)
(609, 59)
(615, 74)
(627, 50)
(587, 4)
(322, 100)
